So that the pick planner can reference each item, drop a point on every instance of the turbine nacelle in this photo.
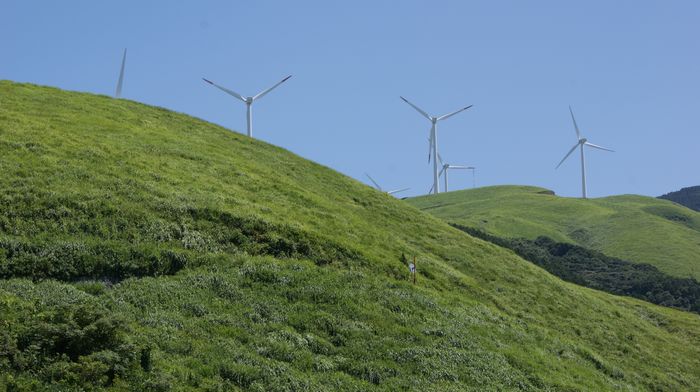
(582, 140)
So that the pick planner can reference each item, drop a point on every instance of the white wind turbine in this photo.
(379, 188)
(433, 139)
(118, 93)
(582, 141)
(248, 100)
(446, 167)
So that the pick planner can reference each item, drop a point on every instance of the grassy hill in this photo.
(142, 249)
(689, 197)
(635, 228)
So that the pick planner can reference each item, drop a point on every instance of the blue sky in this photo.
(630, 69)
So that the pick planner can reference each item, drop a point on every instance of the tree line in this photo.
(594, 269)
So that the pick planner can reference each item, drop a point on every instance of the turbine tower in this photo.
(582, 141)
(433, 139)
(248, 100)
(379, 188)
(118, 93)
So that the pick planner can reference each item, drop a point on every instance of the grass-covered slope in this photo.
(142, 249)
(635, 228)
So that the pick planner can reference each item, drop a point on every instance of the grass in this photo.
(635, 228)
(195, 258)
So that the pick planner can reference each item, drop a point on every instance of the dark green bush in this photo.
(71, 344)
(593, 269)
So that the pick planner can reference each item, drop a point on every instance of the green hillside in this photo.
(635, 228)
(142, 249)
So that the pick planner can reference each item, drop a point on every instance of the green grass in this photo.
(635, 228)
(142, 249)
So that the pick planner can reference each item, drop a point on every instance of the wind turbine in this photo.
(582, 141)
(433, 139)
(446, 167)
(118, 93)
(379, 188)
(247, 100)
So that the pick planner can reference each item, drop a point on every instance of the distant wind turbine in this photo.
(248, 100)
(118, 93)
(379, 188)
(446, 167)
(432, 141)
(582, 141)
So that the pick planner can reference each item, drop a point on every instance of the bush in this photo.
(72, 344)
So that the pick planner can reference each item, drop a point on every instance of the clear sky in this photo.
(630, 69)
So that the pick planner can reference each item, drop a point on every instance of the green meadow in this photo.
(142, 249)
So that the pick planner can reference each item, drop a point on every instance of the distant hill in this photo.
(146, 250)
(634, 228)
(689, 197)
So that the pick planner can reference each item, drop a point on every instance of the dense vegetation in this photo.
(115, 261)
(635, 228)
(593, 269)
(147, 250)
(55, 334)
(689, 197)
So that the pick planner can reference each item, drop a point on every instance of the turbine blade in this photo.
(567, 155)
(598, 147)
(430, 146)
(445, 117)
(459, 167)
(373, 182)
(431, 189)
(227, 91)
(121, 76)
(441, 171)
(578, 133)
(260, 95)
(398, 190)
(440, 159)
(426, 115)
